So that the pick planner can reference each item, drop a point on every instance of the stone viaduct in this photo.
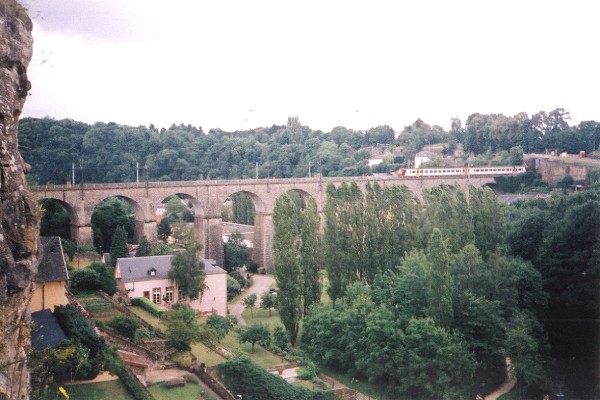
(208, 197)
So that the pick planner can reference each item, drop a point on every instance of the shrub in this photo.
(233, 288)
(116, 366)
(144, 334)
(124, 325)
(148, 306)
(77, 328)
(252, 266)
(242, 376)
(96, 276)
(237, 275)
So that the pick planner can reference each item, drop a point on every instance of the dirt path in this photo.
(260, 284)
(506, 386)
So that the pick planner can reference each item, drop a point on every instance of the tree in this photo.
(187, 270)
(280, 338)
(220, 324)
(449, 365)
(268, 301)
(162, 249)
(107, 216)
(118, 247)
(286, 257)
(182, 327)
(145, 248)
(235, 252)
(255, 333)
(250, 302)
(243, 209)
(525, 355)
(439, 283)
(309, 255)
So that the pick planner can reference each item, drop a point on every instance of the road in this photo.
(260, 284)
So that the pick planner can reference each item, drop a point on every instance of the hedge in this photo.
(243, 377)
(148, 306)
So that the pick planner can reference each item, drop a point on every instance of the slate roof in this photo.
(53, 267)
(46, 331)
(137, 269)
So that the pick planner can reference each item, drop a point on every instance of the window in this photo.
(156, 295)
(180, 295)
(169, 294)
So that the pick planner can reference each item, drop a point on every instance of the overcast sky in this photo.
(242, 64)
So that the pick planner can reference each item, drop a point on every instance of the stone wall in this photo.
(19, 225)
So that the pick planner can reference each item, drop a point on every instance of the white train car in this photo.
(475, 171)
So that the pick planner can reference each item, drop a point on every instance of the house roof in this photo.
(136, 269)
(46, 331)
(53, 267)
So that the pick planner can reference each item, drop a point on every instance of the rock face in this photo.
(19, 222)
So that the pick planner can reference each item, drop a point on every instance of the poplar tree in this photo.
(439, 283)
(309, 255)
(286, 263)
(489, 224)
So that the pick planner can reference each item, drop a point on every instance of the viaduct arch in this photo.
(208, 197)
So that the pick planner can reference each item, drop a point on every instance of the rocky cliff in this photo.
(19, 224)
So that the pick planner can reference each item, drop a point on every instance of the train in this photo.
(466, 171)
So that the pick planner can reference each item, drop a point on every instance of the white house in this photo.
(422, 157)
(149, 277)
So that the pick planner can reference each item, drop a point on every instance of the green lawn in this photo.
(110, 390)
(259, 315)
(189, 391)
(149, 318)
(206, 355)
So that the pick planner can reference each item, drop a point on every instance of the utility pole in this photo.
(137, 172)
(73, 174)
(309, 168)
(257, 170)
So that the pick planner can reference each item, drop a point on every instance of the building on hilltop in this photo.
(149, 277)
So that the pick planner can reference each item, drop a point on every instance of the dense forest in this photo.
(108, 152)
(430, 297)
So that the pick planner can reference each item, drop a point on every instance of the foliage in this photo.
(96, 276)
(286, 262)
(56, 219)
(182, 327)
(125, 326)
(250, 302)
(148, 306)
(236, 253)
(237, 275)
(145, 247)
(188, 271)
(118, 247)
(255, 333)
(61, 363)
(116, 366)
(242, 376)
(77, 328)
(233, 288)
(220, 324)
(162, 249)
(242, 209)
(268, 301)
(107, 216)
(280, 338)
